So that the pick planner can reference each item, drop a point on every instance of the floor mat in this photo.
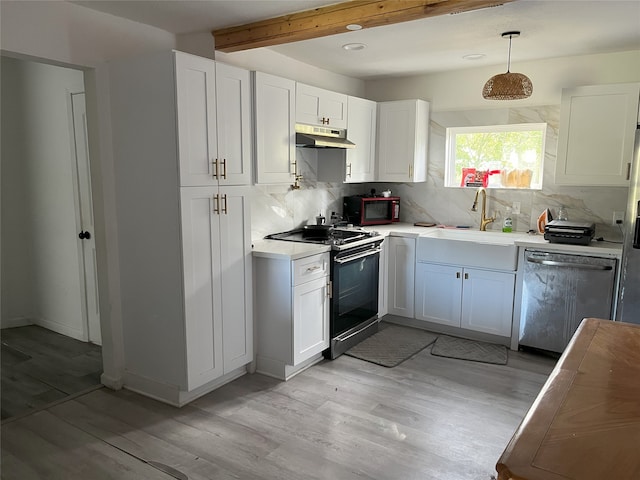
(392, 345)
(464, 349)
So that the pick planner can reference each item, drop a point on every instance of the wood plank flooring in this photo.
(428, 418)
(40, 366)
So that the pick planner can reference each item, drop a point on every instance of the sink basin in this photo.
(472, 248)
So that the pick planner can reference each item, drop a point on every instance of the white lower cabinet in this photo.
(469, 298)
(401, 269)
(292, 313)
(217, 282)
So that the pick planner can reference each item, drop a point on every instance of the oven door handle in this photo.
(349, 258)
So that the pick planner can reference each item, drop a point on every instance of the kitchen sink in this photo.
(473, 248)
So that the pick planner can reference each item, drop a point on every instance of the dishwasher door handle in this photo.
(581, 266)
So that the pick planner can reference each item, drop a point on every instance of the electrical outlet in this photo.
(516, 208)
(618, 218)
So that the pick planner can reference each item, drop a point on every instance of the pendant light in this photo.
(508, 86)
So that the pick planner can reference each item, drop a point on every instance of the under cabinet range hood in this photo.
(312, 136)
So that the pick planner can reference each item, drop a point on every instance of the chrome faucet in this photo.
(484, 221)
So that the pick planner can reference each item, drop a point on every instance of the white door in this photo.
(91, 305)
(202, 297)
(487, 301)
(275, 145)
(439, 293)
(236, 277)
(402, 258)
(233, 106)
(196, 112)
(310, 319)
(361, 131)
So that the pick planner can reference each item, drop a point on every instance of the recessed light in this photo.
(474, 56)
(354, 26)
(354, 46)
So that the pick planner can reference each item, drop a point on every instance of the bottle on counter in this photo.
(507, 225)
(562, 213)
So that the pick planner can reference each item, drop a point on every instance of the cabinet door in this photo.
(203, 301)
(317, 106)
(310, 319)
(235, 277)
(275, 128)
(597, 129)
(402, 141)
(361, 128)
(196, 111)
(439, 293)
(402, 257)
(487, 301)
(233, 102)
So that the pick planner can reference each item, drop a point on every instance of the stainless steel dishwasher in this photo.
(559, 290)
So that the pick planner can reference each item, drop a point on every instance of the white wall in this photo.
(71, 35)
(462, 89)
(265, 60)
(41, 262)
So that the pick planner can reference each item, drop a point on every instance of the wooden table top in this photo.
(585, 422)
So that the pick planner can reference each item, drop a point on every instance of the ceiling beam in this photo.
(333, 19)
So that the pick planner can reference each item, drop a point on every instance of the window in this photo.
(496, 156)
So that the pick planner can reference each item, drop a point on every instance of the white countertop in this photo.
(287, 250)
(519, 239)
(295, 250)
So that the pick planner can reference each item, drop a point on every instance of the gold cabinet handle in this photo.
(216, 204)
(224, 168)
(215, 172)
(224, 204)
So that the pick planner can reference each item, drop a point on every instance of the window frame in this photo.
(450, 149)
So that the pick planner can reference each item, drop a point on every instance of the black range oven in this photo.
(355, 265)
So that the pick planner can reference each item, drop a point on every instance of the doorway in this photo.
(48, 248)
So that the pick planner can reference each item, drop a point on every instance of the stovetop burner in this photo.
(325, 235)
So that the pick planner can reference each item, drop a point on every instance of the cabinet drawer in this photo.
(310, 268)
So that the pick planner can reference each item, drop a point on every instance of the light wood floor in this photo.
(429, 418)
(40, 366)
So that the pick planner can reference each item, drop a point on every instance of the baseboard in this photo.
(114, 383)
(282, 371)
(447, 330)
(61, 329)
(172, 394)
(17, 322)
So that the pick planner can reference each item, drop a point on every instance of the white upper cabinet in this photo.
(234, 124)
(275, 146)
(316, 106)
(211, 150)
(597, 128)
(403, 128)
(361, 130)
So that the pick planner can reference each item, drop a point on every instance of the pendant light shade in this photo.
(508, 86)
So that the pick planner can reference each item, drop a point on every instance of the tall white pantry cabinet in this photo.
(181, 130)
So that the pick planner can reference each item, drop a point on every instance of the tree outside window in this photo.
(497, 156)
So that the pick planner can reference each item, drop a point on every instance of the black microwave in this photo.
(367, 210)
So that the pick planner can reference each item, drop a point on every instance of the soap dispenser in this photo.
(507, 225)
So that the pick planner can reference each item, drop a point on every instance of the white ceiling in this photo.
(550, 28)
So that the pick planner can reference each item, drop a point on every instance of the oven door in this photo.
(354, 287)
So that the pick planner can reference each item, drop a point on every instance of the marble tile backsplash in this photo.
(277, 208)
(431, 201)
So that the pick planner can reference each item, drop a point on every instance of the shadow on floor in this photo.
(40, 367)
